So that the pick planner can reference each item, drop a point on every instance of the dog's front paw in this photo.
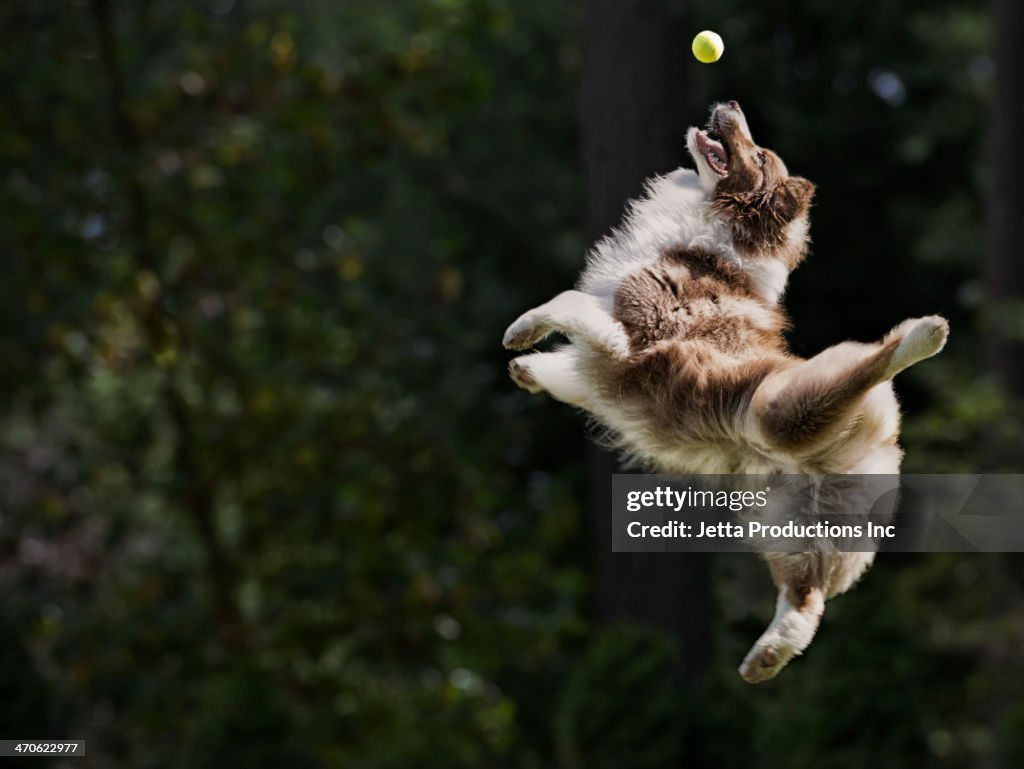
(522, 376)
(525, 332)
(764, 662)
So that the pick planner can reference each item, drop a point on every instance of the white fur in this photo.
(673, 211)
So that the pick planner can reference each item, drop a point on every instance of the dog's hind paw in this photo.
(921, 338)
(763, 663)
(525, 333)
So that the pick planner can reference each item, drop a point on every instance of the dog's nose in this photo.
(734, 104)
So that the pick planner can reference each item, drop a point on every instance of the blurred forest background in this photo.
(267, 498)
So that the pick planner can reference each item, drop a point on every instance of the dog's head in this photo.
(751, 188)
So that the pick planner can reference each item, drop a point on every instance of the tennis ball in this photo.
(708, 46)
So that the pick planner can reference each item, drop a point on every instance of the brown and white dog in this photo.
(677, 352)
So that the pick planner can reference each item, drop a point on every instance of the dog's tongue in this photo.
(706, 143)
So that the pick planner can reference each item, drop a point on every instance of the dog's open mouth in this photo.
(714, 152)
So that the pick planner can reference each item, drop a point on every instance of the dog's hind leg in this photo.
(577, 315)
(919, 338)
(806, 405)
(805, 581)
(798, 611)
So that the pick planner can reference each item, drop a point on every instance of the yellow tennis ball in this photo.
(708, 46)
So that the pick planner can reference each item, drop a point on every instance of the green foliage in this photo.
(620, 706)
(243, 720)
(259, 261)
(1013, 729)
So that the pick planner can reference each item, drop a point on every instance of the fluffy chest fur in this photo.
(675, 213)
(693, 294)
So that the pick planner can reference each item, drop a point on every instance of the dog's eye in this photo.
(761, 159)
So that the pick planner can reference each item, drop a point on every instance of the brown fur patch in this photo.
(804, 597)
(694, 294)
(813, 407)
(760, 218)
(681, 399)
(702, 340)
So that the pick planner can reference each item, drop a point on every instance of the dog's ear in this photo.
(760, 218)
(792, 198)
(780, 204)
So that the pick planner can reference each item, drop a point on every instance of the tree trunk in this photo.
(635, 109)
(1005, 266)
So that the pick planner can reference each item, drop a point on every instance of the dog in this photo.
(677, 352)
